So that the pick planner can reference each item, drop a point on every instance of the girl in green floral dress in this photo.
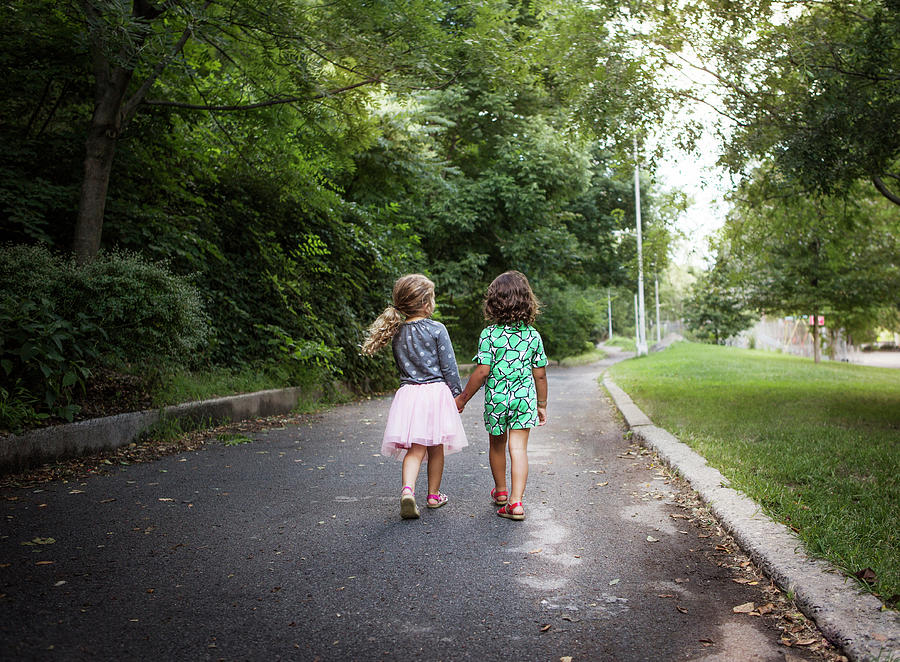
(511, 365)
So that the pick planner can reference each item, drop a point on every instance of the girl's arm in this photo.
(540, 384)
(476, 380)
(447, 361)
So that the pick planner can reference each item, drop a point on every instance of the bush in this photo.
(57, 320)
(570, 323)
(148, 313)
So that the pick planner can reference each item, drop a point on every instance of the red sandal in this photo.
(496, 497)
(507, 511)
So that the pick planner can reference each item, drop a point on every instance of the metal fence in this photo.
(793, 335)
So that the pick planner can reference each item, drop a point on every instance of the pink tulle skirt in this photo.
(423, 414)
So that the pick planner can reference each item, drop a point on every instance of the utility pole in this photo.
(642, 333)
(609, 313)
(658, 332)
(637, 331)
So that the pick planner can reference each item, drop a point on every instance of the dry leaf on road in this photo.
(745, 608)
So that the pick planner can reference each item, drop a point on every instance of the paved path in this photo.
(292, 548)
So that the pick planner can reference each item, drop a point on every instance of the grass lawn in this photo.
(584, 359)
(621, 342)
(818, 446)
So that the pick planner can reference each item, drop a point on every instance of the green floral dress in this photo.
(510, 397)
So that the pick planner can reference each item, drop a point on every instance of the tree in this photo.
(715, 310)
(231, 56)
(815, 86)
(798, 254)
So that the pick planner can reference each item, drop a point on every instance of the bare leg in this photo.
(497, 458)
(411, 463)
(518, 460)
(435, 468)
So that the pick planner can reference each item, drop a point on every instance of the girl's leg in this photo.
(518, 460)
(497, 459)
(435, 468)
(411, 463)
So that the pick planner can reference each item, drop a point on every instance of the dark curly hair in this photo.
(509, 299)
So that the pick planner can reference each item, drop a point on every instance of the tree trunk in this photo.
(817, 353)
(100, 147)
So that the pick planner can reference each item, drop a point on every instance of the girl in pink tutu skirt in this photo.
(423, 423)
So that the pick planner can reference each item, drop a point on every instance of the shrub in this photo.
(148, 313)
(58, 319)
(570, 323)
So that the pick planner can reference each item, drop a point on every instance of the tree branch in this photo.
(261, 104)
(131, 105)
(885, 191)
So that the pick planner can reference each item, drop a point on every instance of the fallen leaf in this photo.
(723, 548)
(536, 551)
(546, 627)
(107, 500)
(766, 609)
(613, 582)
(565, 658)
(652, 539)
(805, 642)
(741, 580)
(867, 575)
(683, 610)
(166, 499)
(666, 595)
(77, 492)
(44, 541)
(679, 516)
(44, 563)
(745, 608)
(706, 640)
(60, 582)
(603, 484)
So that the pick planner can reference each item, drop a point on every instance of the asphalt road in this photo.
(291, 547)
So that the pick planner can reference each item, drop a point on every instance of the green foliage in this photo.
(793, 254)
(813, 86)
(148, 314)
(57, 320)
(462, 141)
(715, 309)
(571, 322)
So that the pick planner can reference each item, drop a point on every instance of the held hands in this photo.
(460, 403)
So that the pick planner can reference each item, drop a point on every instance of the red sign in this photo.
(811, 319)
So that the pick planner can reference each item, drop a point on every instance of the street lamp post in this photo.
(658, 330)
(609, 314)
(642, 333)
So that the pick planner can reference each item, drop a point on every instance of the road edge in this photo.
(58, 442)
(846, 615)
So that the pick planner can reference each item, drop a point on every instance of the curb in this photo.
(847, 616)
(73, 439)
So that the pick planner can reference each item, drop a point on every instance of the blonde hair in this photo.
(413, 295)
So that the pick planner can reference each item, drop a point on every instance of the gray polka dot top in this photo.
(424, 355)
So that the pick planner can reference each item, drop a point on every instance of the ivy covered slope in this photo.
(277, 165)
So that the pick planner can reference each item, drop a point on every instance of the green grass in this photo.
(621, 342)
(184, 386)
(584, 359)
(818, 446)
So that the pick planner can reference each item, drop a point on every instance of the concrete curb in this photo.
(60, 441)
(847, 616)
